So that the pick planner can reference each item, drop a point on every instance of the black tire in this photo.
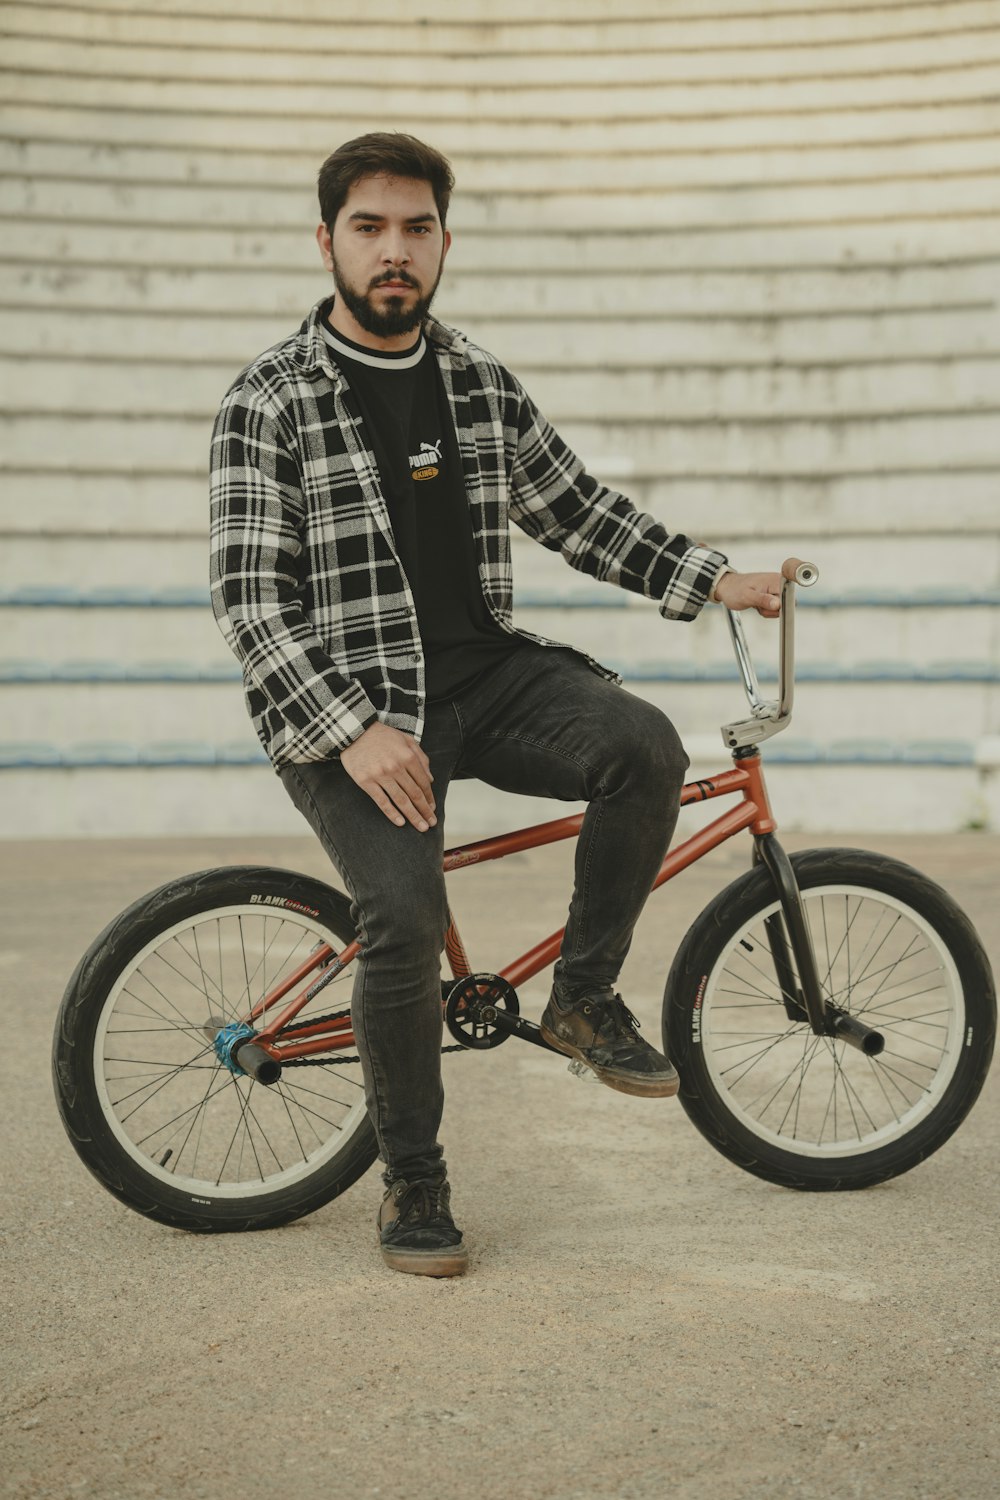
(812, 1112)
(196, 946)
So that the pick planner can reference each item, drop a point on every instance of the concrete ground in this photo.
(641, 1318)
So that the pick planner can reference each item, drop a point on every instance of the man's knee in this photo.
(652, 746)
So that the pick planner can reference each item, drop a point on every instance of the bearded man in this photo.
(365, 472)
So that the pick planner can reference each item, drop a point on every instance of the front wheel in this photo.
(805, 1111)
(146, 1100)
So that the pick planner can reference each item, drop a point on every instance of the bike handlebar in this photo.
(794, 570)
(769, 717)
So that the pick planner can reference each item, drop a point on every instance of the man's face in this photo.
(386, 254)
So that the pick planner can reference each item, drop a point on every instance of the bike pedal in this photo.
(580, 1070)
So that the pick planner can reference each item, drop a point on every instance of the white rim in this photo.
(815, 1096)
(244, 1099)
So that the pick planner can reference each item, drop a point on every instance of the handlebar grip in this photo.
(797, 571)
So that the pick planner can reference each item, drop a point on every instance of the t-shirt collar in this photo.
(377, 359)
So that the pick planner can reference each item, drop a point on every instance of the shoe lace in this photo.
(612, 1013)
(422, 1200)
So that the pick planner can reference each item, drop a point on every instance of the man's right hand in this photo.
(391, 767)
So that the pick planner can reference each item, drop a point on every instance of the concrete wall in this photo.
(744, 255)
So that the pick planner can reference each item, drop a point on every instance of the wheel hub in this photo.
(226, 1040)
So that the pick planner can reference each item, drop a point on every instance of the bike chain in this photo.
(337, 1062)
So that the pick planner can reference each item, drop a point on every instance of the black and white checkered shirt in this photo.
(306, 583)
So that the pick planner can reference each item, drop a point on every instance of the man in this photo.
(364, 474)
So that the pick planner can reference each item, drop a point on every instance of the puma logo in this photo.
(430, 454)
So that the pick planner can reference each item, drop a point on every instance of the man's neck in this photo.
(343, 321)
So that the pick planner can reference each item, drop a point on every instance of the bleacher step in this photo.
(135, 801)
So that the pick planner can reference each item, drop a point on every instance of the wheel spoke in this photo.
(327, 1097)
(149, 1006)
(315, 1114)
(799, 1068)
(240, 1124)
(198, 1118)
(770, 1088)
(202, 988)
(167, 1077)
(223, 1083)
(283, 1095)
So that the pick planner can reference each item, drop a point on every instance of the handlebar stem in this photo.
(769, 717)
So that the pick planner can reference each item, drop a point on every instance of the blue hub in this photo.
(228, 1039)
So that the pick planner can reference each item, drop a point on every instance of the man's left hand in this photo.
(759, 591)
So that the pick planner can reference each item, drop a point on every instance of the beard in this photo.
(391, 316)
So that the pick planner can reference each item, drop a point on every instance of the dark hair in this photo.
(387, 152)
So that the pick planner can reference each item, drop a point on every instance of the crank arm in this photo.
(528, 1031)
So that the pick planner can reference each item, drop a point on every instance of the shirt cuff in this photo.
(692, 579)
(713, 597)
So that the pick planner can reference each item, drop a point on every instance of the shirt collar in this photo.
(344, 349)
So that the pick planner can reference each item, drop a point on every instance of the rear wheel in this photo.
(894, 951)
(153, 1111)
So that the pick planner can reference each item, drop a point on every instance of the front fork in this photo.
(789, 928)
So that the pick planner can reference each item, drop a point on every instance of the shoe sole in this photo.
(452, 1262)
(639, 1086)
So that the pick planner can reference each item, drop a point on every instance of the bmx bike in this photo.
(831, 1013)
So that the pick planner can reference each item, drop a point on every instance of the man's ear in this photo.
(325, 243)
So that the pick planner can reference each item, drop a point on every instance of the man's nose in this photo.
(395, 251)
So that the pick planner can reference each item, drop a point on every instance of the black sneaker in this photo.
(416, 1230)
(593, 1024)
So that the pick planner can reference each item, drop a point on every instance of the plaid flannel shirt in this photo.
(307, 586)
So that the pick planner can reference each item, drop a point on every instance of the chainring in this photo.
(471, 1007)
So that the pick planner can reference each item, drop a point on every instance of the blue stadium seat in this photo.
(792, 751)
(818, 671)
(14, 756)
(25, 671)
(180, 596)
(864, 752)
(118, 596)
(40, 595)
(101, 753)
(658, 671)
(939, 753)
(606, 598)
(91, 671)
(721, 671)
(880, 671)
(241, 753)
(962, 671)
(220, 671)
(164, 671)
(177, 753)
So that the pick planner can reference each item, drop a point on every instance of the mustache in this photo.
(396, 276)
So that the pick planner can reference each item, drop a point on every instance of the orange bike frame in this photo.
(285, 1041)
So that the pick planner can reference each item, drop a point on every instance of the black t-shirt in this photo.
(407, 417)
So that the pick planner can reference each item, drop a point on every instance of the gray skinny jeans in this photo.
(542, 722)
